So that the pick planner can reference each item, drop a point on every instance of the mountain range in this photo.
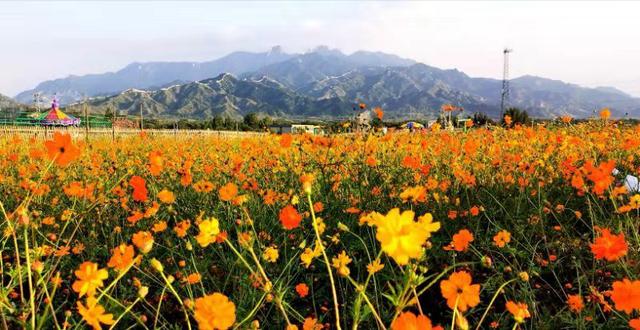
(8, 103)
(323, 82)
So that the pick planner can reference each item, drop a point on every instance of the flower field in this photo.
(521, 227)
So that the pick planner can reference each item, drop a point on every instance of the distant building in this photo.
(294, 128)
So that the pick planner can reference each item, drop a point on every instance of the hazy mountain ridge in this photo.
(224, 95)
(8, 103)
(300, 83)
(146, 75)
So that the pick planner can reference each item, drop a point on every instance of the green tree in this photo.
(251, 120)
(266, 122)
(481, 119)
(217, 122)
(517, 117)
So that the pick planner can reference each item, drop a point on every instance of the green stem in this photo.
(126, 311)
(32, 294)
(326, 261)
(495, 295)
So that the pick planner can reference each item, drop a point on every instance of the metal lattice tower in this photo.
(505, 80)
(37, 100)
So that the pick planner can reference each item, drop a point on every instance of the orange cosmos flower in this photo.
(458, 289)
(155, 163)
(89, 278)
(626, 295)
(302, 289)
(228, 192)
(311, 324)
(448, 107)
(379, 113)
(140, 192)
(608, 246)
(193, 278)
(474, 211)
(601, 175)
(577, 182)
(94, 314)
(575, 303)
(135, 217)
(460, 242)
(289, 217)
(122, 257)
(508, 120)
(318, 207)
(286, 140)
(181, 228)
(75, 189)
(166, 196)
(215, 312)
(62, 149)
(352, 210)
(519, 310)
(502, 238)
(159, 227)
(605, 113)
(409, 321)
(634, 324)
(143, 240)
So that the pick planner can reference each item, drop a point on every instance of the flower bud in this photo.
(143, 291)
(486, 261)
(157, 265)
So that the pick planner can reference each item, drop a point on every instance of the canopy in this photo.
(55, 117)
(412, 124)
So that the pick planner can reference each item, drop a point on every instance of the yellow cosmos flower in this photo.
(271, 254)
(209, 230)
(341, 263)
(401, 237)
(415, 194)
(308, 255)
(375, 266)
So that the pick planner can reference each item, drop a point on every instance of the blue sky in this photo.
(589, 43)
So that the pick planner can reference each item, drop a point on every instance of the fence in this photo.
(24, 120)
(81, 132)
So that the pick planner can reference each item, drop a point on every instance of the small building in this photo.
(295, 128)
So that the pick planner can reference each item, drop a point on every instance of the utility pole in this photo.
(86, 120)
(505, 81)
(141, 118)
